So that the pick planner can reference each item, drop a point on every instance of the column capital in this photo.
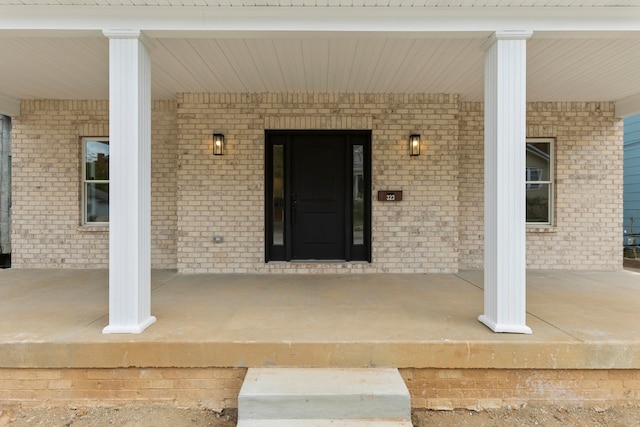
(507, 35)
(512, 34)
(128, 34)
(122, 34)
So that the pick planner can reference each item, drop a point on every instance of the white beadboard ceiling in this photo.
(59, 52)
(558, 69)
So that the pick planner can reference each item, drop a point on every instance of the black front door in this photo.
(318, 197)
(317, 201)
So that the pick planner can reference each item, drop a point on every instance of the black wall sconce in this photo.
(218, 144)
(414, 145)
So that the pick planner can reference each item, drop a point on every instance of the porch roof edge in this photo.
(324, 19)
(628, 106)
(9, 106)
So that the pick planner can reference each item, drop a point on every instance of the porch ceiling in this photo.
(343, 3)
(285, 50)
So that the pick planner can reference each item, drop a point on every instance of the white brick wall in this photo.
(438, 227)
(47, 230)
(164, 184)
(587, 233)
(225, 195)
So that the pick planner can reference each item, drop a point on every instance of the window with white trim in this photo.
(539, 181)
(95, 181)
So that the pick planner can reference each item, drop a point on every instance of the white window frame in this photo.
(538, 184)
(85, 181)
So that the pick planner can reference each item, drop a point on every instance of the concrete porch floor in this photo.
(580, 320)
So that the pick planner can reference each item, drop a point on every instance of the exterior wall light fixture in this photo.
(414, 145)
(218, 144)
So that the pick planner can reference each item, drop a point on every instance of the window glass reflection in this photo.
(539, 181)
(538, 203)
(538, 161)
(97, 160)
(96, 181)
(97, 196)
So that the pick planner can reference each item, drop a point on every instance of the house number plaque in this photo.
(389, 196)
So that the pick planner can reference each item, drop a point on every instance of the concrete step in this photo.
(318, 397)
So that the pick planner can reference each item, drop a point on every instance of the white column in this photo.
(129, 183)
(504, 186)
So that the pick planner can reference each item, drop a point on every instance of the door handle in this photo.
(294, 208)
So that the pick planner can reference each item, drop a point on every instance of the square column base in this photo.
(503, 327)
(129, 329)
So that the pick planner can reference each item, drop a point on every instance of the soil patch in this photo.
(152, 415)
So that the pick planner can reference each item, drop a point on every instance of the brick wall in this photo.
(164, 184)
(588, 205)
(225, 195)
(46, 212)
(438, 227)
(588, 196)
(471, 227)
(46, 185)
(218, 388)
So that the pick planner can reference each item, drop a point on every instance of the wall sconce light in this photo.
(218, 144)
(414, 145)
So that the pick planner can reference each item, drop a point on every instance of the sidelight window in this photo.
(278, 194)
(358, 214)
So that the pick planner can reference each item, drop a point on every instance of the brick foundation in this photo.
(213, 388)
(494, 388)
(218, 388)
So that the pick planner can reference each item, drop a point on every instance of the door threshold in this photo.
(318, 261)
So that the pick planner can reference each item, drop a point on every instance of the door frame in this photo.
(284, 138)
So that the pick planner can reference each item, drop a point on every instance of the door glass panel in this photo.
(278, 195)
(358, 195)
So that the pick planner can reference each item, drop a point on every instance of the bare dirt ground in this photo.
(161, 415)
